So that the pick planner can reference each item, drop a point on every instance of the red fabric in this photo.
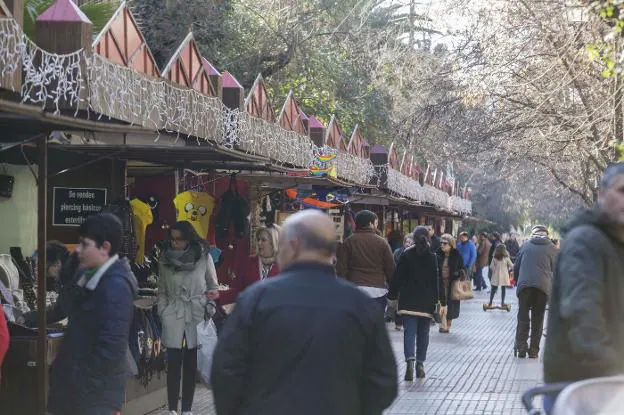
(240, 276)
(4, 337)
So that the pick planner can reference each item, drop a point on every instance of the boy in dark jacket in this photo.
(88, 377)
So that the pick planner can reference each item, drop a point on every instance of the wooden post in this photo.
(16, 7)
(379, 157)
(232, 92)
(42, 335)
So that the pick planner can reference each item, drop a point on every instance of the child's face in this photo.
(92, 256)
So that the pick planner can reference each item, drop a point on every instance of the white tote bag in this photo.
(206, 343)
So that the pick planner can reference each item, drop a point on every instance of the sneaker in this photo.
(533, 354)
(172, 413)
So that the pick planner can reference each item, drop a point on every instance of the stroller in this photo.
(593, 396)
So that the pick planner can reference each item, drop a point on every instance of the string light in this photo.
(115, 91)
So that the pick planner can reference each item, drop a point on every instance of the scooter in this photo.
(487, 307)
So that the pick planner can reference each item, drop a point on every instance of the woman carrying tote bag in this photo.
(187, 282)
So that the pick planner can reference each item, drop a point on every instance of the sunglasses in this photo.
(444, 243)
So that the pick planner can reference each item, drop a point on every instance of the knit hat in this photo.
(539, 230)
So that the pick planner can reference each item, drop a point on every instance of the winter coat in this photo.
(585, 330)
(513, 247)
(365, 259)
(535, 265)
(500, 271)
(415, 283)
(246, 274)
(456, 265)
(468, 252)
(91, 367)
(181, 296)
(304, 343)
(482, 254)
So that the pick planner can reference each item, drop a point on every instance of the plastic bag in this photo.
(206, 343)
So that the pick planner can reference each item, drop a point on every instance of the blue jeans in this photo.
(479, 281)
(416, 336)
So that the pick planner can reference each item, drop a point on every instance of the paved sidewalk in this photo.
(469, 371)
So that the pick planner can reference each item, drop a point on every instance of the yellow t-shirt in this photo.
(141, 217)
(196, 208)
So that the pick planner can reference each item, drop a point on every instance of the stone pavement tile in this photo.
(472, 370)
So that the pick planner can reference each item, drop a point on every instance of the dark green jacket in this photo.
(585, 331)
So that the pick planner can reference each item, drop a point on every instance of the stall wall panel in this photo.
(19, 213)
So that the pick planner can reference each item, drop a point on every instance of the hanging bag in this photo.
(206, 344)
(439, 315)
(461, 289)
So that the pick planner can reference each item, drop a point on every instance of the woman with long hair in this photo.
(187, 282)
(450, 266)
(415, 285)
(501, 267)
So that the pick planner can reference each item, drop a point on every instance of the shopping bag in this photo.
(206, 343)
(461, 289)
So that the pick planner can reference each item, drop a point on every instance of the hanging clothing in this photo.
(195, 208)
(142, 217)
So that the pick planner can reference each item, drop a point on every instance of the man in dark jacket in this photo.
(366, 259)
(88, 377)
(306, 342)
(513, 247)
(533, 270)
(585, 330)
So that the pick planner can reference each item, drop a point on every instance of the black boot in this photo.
(409, 370)
(420, 370)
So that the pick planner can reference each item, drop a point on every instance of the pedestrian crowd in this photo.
(307, 333)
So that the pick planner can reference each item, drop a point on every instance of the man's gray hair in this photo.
(611, 172)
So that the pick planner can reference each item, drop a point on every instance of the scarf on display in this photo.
(183, 260)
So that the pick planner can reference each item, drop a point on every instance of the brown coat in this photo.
(483, 254)
(365, 259)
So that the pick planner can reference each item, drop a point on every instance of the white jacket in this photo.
(500, 271)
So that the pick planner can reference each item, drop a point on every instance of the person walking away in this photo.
(88, 376)
(482, 261)
(468, 251)
(408, 241)
(585, 331)
(414, 293)
(188, 280)
(496, 240)
(434, 239)
(501, 267)
(450, 266)
(533, 270)
(366, 260)
(513, 247)
(305, 343)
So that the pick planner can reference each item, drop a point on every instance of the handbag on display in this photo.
(461, 289)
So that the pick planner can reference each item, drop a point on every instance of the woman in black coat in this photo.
(450, 265)
(415, 284)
